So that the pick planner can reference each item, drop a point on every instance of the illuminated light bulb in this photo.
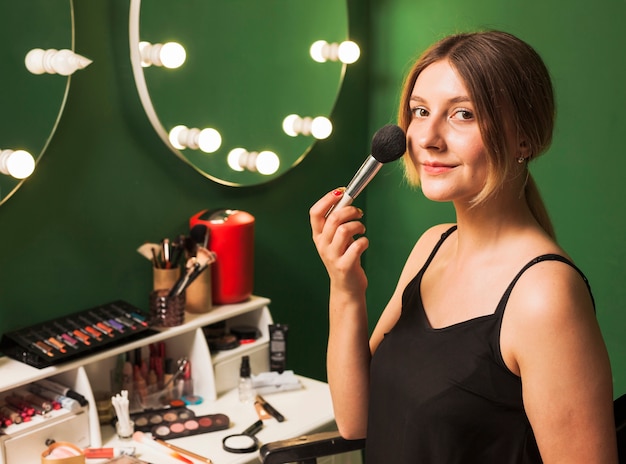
(265, 162)
(291, 125)
(170, 55)
(52, 61)
(208, 140)
(319, 127)
(17, 163)
(347, 52)
(319, 51)
(236, 159)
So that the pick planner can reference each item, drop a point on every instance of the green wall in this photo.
(107, 183)
(581, 177)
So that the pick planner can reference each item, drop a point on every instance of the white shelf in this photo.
(19, 374)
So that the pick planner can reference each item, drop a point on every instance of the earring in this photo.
(521, 160)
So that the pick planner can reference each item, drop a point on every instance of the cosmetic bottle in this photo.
(278, 347)
(246, 392)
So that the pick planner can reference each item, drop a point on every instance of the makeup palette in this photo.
(80, 334)
(192, 426)
(146, 420)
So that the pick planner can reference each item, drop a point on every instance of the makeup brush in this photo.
(183, 451)
(147, 250)
(200, 234)
(194, 266)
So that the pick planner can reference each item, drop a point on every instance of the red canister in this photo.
(231, 237)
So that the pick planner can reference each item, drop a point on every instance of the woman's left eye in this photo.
(463, 115)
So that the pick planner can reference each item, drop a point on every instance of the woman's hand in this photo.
(336, 242)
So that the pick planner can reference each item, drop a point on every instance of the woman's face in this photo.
(443, 137)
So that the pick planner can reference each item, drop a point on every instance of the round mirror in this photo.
(246, 66)
(31, 103)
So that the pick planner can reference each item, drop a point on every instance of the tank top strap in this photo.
(538, 259)
(442, 239)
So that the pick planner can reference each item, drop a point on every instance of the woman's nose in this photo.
(429, 134)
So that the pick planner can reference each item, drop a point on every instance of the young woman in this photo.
(488, 350)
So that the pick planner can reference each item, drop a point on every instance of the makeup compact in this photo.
(77, 335)
(192, 426)
(169, 423)
(244, 442)
(146, 420)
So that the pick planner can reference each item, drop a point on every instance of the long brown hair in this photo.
(512, 93)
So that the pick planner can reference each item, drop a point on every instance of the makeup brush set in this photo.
(77, 335)
(176, 265)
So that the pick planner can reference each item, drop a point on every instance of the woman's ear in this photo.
(523, 152)
(524, 149)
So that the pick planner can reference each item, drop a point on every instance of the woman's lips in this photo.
(436, 168)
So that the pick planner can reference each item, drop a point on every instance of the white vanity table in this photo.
(215, 378)
(306, 410)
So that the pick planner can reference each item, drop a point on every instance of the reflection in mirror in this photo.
(31, 104)
(249, 92)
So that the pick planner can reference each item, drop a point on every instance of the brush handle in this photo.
(184, 451)
(144, 439)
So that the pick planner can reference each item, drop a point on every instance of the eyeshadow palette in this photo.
(146, 420)
(77, 335)
(191, 426)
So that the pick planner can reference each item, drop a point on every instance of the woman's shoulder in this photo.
(550, 292)
(550, 299)
(427, 242)
(436, 233)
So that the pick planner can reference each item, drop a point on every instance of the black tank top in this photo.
(445, 396)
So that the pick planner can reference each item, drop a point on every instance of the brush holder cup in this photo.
(166, 311)
(198, 295)
(164, 278)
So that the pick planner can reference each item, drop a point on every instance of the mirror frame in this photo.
(225, 176)
(37, 147)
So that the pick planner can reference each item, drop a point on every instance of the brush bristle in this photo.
(388, 143)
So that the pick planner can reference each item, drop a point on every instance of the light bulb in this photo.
(171, 55)
(291, 125)
(347, 52)
(236, 159)
(265, 162)
(319, 127)
(17, 163)
(318, 51)
(52, 61)
(208, 140)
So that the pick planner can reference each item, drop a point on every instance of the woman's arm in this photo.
(348, 351)
(348, 356)
(551, 337)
